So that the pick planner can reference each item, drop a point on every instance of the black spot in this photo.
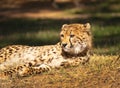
(52, 49)
(30, 64)
(54, 52)
(35, 60)
(80, 58)
(1, 56)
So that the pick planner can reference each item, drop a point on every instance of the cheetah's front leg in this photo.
(37, 69)
(24, 71)
(75, 61)
(21, 70)
(41, 68)
(70, 62)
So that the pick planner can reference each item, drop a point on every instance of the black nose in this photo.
(64, 44)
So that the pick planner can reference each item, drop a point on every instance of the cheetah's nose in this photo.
(64, 44)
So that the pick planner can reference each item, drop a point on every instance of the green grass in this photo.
(106, 39)
(28, 32)
(34, 38)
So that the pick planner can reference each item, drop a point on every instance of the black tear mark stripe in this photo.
(79, 38)
(71, 45)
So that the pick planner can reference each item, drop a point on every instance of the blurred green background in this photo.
(38, 22)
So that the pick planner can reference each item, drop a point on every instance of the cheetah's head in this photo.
(75, 38)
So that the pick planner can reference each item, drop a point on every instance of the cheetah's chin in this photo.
(76, 49)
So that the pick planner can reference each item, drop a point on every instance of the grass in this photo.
(106, 39)
(40, 38)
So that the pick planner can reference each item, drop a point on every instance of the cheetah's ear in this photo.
(87, 26)
(64, 25)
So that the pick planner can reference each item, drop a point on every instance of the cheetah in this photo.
(74, 48)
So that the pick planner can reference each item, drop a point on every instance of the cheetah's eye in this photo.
(62, 35)
(72, 35)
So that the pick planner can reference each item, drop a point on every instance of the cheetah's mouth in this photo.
(76, 49)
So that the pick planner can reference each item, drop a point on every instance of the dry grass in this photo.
(100, 72)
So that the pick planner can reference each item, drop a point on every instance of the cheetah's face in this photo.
(75, 38)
